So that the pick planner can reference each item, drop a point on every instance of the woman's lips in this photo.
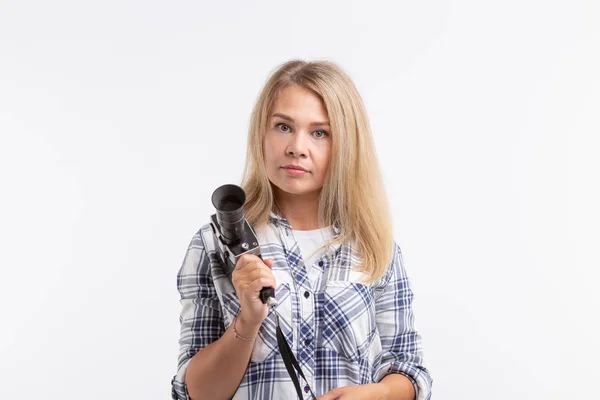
(295, 172)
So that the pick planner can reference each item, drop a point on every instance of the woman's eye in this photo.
(281, 124)
(286, 128)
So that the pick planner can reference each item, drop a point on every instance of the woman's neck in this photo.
(302, 212)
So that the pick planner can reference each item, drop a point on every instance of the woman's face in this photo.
(298, 134)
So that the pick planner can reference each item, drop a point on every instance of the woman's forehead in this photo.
(297, 98)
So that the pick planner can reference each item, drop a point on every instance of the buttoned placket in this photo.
(305, 294)
(305, 343)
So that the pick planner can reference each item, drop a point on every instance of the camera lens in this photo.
(229, 202)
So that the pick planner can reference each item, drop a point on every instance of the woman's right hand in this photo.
(250, 275)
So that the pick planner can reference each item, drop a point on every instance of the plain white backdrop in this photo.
(119, 118)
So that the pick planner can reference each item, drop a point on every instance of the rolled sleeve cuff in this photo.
(178, 387)
(419, 376)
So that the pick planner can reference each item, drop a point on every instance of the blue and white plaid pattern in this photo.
(342, 332)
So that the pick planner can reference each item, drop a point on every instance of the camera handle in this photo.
(267, 295)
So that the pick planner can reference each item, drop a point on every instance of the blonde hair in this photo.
(353, 197)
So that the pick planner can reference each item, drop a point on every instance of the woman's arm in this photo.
(402, 352)
(215, 372)
(392, 387)
(212, 360)
(399, 387)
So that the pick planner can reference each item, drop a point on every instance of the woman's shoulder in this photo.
(200, 240)
(196, 263)
(395, 267)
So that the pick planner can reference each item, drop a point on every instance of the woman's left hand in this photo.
(371, 391)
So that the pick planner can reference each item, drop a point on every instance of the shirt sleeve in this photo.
(401, 344)
(201, 318)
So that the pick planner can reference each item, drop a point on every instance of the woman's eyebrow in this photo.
(292, 120)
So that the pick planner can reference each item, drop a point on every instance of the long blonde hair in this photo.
(353, 197)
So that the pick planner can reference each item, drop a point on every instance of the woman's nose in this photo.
(297, 145)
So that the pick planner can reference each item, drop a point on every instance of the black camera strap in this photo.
(290, 361)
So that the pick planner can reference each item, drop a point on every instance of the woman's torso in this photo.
(328, 317)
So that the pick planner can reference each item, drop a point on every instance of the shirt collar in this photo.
(281, 221)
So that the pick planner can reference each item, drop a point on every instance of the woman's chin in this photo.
(296, 189)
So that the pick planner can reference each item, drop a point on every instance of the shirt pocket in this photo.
(349, 324)
(265, 345)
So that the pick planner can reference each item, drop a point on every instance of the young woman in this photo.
(315, 198)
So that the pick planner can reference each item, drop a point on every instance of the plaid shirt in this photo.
(341, 331)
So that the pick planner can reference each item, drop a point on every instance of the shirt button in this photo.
(320, 263)
(307, 342)
(306, 389)
(306, 294)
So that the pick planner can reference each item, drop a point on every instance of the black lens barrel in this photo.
(229, 202)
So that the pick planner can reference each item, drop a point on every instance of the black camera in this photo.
(233, 234)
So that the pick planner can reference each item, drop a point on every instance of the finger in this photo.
(329, 396)
(249, 273)
(249, 279)
(266, 272)
(257, 284)
(269, 262)
(334, 394)
(261, 271)
(246, 260)
(256, 269)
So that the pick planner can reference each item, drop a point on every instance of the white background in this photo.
(119, 118)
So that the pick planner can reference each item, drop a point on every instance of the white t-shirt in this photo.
(309, 242)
